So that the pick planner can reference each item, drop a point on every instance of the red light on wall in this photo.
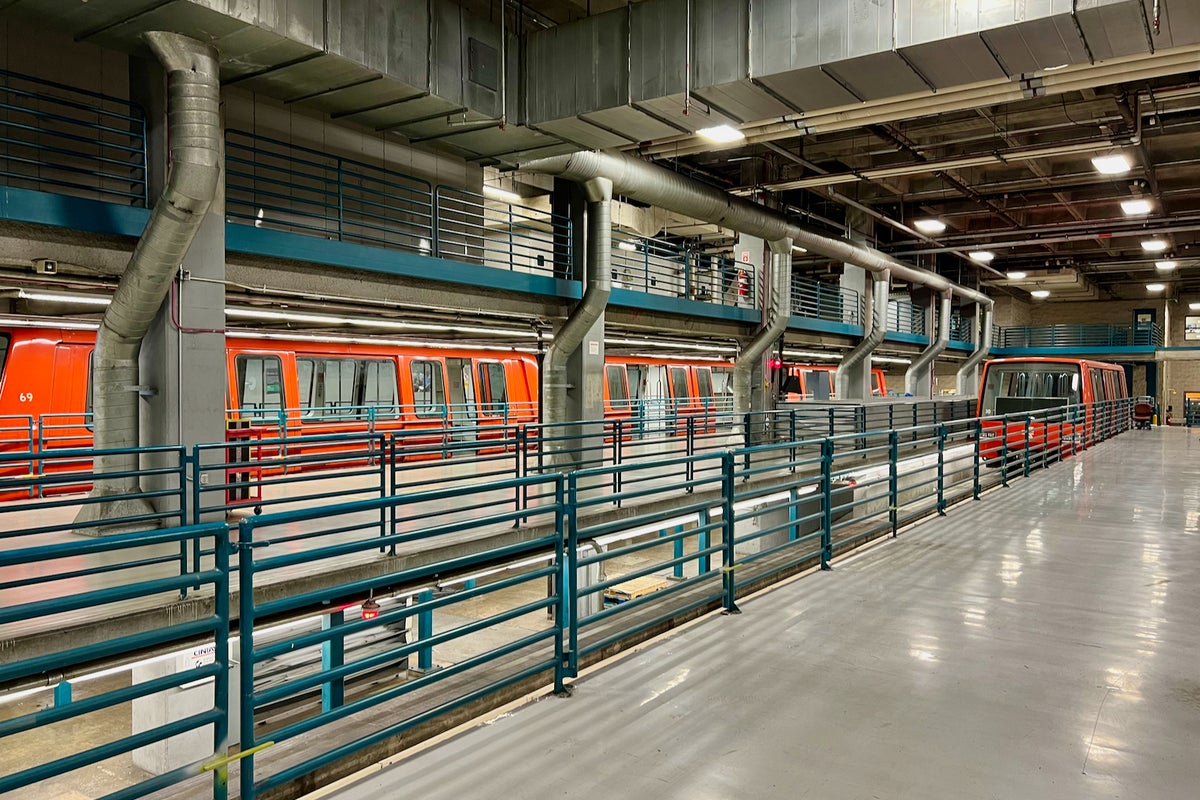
(370, 609)
(775, 363)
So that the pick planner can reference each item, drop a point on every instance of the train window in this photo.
(704, 383)
(617, 394)
(327, 388)
(637, 381)
(722, 380)
(429, 390)
(679, 383)
(1110, 391)
(3, 352)
(379, 388)
(1097, 386)
(260, 386)
(493, 386)
(1015, 387)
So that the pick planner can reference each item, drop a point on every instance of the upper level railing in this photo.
(905, 317)
(57, 138)
(820, 300)
(1087, 335)
(657, 266)
(962, 329)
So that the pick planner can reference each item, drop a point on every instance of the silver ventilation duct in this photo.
(967, 379)
(872, 339)
(778, 313)
(929, 354)
(194, 137)
(591, 306)
(640, 180)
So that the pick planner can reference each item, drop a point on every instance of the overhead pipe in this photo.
(598, 263)
(967, 385)
(649, 183)
(194, 141)
(873, 335)
(778, 313)
(935, 349)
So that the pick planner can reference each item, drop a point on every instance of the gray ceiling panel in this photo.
(632, 123)
(878, 76)
(397, 115)
(1038, 44)
(743, 100)
(809, 89)
(587, 134)
(373, 94)
(658, 49)
(308, 77)
(1113, 27)
(1179, 23)
(670, 110)
(954, 62)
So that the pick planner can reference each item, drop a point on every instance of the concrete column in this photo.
(185, 368)
(860, 229)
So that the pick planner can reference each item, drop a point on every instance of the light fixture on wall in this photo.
(721, 134)
(1114, 163)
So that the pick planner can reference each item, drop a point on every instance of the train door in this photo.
(616, 391)
(259, 388)
(69, 382)
(492, 389)
(460, 385)
(427, 380)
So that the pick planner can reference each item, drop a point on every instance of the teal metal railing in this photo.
(675, 269)
(962, 329)
(403, 609)
(1084, 335)
(57, 138)
(905, 317)
(814, 299)
(132, 586)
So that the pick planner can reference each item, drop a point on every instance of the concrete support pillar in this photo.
(859, 228)
(183, 355)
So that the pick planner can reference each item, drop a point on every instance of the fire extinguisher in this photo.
(743, 284)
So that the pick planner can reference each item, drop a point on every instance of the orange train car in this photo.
(1087, 389)
(321, 388)
(804, 382)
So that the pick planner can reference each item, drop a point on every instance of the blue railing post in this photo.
(425, 631)
(569, 614)
(893, 478)
(1028, 426)
(1004, 451)
(826, 503)
(62, 693)
(333, 656)
(246, 621)
(941, 479)
(976, 488)
(727, 532)
(564, 625)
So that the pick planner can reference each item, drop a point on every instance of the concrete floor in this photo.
(1045, 646)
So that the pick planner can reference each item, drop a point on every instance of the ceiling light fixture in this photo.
(73, 299)
(1155, 287)
(1040, 294)
(1136, 208)
(1112, 164)
(1155, 245)
(929, 225)
(1166, 266)
(721, 134)
(1194, 306)
(982, 256)
(497, 193)
(630, 246)
(1016, 275)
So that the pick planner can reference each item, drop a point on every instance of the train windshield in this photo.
(1010, 388)
(3, 353)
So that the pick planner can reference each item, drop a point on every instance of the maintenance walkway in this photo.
(1039, 647)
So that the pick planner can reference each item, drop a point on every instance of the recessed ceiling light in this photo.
(1194, 306)
(1040, 293)
(1136, 208)
(1114, 164)
(1154, 245)
(1016, 275)
(1166, 265)
(721, 134)
(497, 193)
(982, 256)
(930, 225)
(1155, 287)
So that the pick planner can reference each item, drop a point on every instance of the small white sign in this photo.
(594, 348)
(196, 657)
(746, 257)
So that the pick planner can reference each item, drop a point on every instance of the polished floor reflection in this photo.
(1044, 643)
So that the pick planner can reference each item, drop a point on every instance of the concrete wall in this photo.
(1109, 312)
(1010, 311)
